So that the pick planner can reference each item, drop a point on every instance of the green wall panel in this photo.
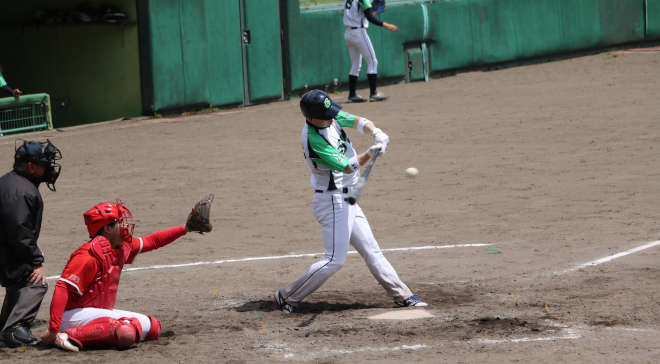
(318, 49)
(89, 66)
(264, 53)
(193, 54)
(390, 46)
(193, 50)
(538, 27)
(225, 77)
(166, 53)
(652, 19)
(450, 32)
(622, 21)
(580, 24)
(493, 31)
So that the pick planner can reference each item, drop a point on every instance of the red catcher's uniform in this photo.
(96, 267)
(91, 276)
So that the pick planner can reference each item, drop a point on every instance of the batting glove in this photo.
(380, 137)
(375, 148)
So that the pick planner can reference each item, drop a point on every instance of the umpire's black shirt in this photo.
(21, 208)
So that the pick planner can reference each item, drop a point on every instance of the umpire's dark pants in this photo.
(22, 301)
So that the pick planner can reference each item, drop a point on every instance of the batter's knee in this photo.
(335, 265)
(372, 67)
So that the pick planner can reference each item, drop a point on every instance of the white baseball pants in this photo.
(359, 46)
(343, 224)
(82, 316)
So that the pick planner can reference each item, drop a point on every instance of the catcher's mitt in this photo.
(199, 219)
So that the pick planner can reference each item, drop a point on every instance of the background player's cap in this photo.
(316, 104)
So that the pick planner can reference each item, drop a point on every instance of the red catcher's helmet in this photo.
(106, 213)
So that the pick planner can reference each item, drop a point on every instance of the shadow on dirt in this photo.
(495, 326)
(305, 307)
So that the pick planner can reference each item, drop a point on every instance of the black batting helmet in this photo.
(316, 104)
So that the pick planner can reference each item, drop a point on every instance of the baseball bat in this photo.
(362, 181)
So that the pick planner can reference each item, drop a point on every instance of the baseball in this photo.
(412, 172)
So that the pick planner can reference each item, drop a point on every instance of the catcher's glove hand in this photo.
(199, 219)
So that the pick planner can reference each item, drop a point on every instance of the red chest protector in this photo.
(103, 292)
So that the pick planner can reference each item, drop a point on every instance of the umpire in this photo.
(21, 261)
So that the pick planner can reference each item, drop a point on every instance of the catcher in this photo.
(82, 311)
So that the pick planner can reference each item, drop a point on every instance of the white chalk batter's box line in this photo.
(325, 351)
(585, 265)
(291, 256)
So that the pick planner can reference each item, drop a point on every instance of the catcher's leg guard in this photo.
(106, 331)
(156, 327)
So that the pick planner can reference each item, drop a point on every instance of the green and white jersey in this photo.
(2, 80)
(354, 13)
(327, 152)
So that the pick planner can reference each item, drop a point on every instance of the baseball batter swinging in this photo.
(357, 16)
(82, 309)
(335, 169)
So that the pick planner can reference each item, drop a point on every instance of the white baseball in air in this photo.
(412, 172)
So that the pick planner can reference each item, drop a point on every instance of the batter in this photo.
(335, 169)
(357, 16)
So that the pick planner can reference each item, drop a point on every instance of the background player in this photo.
(335, 169)
(357, 15)
(82, 309)
(4, 87)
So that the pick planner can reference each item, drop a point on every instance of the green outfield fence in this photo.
(652, 19)
(459, 34)
(242, 52)
(337, 5)
(25, 113)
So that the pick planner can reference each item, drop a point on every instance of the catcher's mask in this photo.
(42, 153)
(106, 213)
(316, 104)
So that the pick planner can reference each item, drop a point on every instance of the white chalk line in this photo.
(290, 256)
(589, 264)
(423, 346)
(526, 339)
(611, 257)
(397, 348)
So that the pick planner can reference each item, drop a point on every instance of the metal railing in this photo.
(24, 113)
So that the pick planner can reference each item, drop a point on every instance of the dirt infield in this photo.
(555, 165)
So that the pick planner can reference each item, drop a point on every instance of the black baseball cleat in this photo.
(378, 97)
(356, 98)
(412, 301)
(18, 335)
(285, 306)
